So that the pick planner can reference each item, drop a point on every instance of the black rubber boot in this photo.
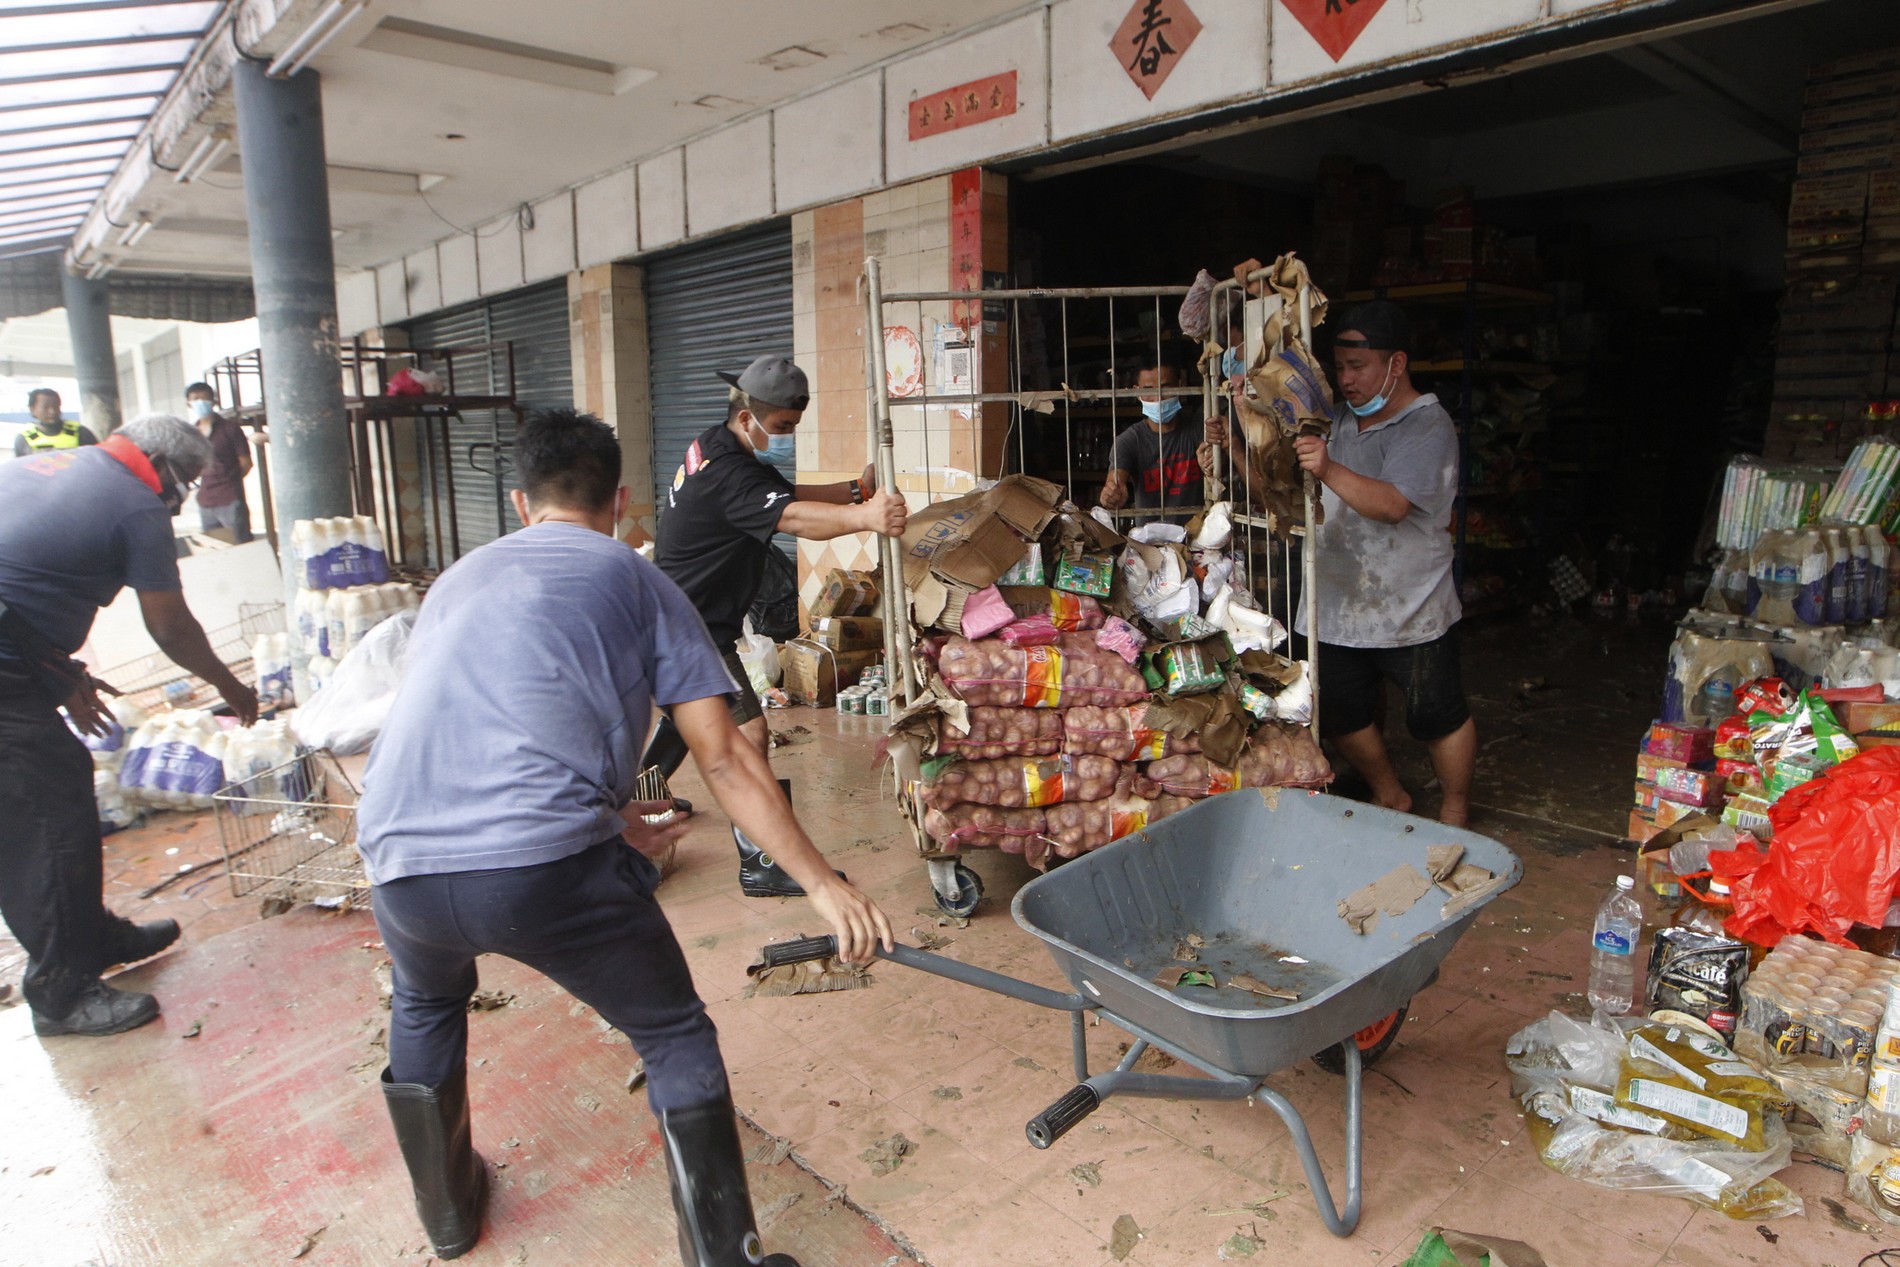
(97, 1010)
(709, 1189)
(449, 1177)
(759, 876)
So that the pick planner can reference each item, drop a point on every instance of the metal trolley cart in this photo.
(1052, 348)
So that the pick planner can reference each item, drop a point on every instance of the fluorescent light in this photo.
(135, 232)
(329, 23)
(99, 269)
(211, 147)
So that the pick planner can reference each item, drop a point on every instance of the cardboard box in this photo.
(849, 633)
(814, 673)
(1864, 719)
(846, 594)
(1648, 763)
(1691, 745)
(1652, 859)
(969, 541)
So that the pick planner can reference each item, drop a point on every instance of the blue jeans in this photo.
(587, 921)
(236, 517)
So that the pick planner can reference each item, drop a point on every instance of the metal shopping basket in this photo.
(154, 681)
(289, 834)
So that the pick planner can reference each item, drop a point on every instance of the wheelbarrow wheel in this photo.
(969, 893)
(1372, 1041)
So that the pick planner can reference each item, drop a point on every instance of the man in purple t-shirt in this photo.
(221, 501)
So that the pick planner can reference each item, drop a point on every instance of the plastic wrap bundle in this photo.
(1007, 732)
(175, 761)
(1070, 673)
(984, 827)
(1019, 782)
(1120, 733)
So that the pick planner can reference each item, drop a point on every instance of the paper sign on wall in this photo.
(1334, 24)
(1151, 41)
(978, 101)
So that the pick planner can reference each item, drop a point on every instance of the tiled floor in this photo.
(954, 1070)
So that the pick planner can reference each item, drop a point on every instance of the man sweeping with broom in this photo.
(497, 817)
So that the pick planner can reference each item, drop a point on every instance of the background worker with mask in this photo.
(1154, 463)
(728, 499)
(1388, 606)
(221, 501)
(49, 431)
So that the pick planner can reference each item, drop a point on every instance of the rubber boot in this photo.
(710, 1196)
(759, 876)
(449, 1177)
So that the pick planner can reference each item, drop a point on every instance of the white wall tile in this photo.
(606, 219)
(1017, 45)
(498, 255)
(663, 200)
(355, 301)
(547, 250)
(392, 293)
(460, 281)
(1091, 91)
(425, 281)
(729, 177)
(827, 147)
(1401, 28)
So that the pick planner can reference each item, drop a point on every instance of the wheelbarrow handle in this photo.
(1059, 1118)
(804, 949)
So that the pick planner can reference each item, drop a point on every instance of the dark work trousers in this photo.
(589, 922)
(52, 871)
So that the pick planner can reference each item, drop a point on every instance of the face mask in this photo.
(1230, 365)
(174, 494)
(779, 451)
(1161, 411)
(201, 409)
(1378, 402)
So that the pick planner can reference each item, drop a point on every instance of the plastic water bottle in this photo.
(1619, 929)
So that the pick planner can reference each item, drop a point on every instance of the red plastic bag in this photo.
(1836, 857)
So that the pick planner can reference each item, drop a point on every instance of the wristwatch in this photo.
(857, 492)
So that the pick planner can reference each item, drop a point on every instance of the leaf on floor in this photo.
(948, 1093)
(887, 1155)
(489, 1000)
(1123, 1238)
(588, 1102)
(197, 1027)
(1241, 1245)
(637, 1076)
(310, 1241)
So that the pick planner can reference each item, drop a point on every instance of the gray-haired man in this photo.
(76, 526)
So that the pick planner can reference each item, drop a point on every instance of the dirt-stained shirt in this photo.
(1390, 585)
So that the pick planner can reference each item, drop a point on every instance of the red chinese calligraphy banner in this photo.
(1151, 41)
(978, 101)
(1334, 24)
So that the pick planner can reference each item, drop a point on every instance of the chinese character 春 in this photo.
(1151, 45)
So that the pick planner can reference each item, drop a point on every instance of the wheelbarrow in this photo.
(1236, 897)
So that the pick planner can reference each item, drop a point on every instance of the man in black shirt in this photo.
(726, 502)
(1154, 463)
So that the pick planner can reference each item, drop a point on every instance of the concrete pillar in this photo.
(607, 331)
(89, 324)
(293, 274)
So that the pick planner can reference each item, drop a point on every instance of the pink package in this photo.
(1030, 631)
(984, 612)
(1122, 638)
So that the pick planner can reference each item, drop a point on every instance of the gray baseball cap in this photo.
(774, 380)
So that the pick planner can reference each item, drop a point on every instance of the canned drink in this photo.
(874, 703)
(857, 704)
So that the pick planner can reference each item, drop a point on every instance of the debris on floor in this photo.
(1443, 1247)
(887, 1155)
(812, 976)
(1123, 1238)
(489, 1000)
(1089, 1172)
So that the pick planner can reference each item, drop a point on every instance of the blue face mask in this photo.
(779, 451)
(1161, 411)
(201, 408)
(1378, 402)
(1230, 365)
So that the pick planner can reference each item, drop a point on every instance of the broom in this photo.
(803, 965)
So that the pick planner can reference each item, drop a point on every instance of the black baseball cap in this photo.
(1378, 325)
(772, 379)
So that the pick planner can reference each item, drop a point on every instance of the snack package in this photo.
(1702, 788)
(1030, 631)
(1189, 668)
(1694, 1081)
(1072, 612)
(1740, 776)
(1691, 745)
(1005, 732)
(984, 612)
(1122, 638)
(1765, 695)
(1023, 782)
(1700, 975)
(1790, 773)
(1027, 571)
(1091, 574)
(1733, 741)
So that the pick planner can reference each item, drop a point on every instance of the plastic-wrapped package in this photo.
(349, 712)
(1561, 1071)
(1006, 732)
(1019, 782)
(1030, 631)
(1076, 672)
(1073, 612)
(1122, 638)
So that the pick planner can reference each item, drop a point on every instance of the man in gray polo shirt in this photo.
(497, 817)
(1388, 606)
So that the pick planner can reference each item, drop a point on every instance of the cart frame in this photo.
(955, 885)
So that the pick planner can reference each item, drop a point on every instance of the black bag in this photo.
(775, 609)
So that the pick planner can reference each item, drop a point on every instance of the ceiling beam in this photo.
(1688, 75)
(81, 101)
(99, 72)
(89, 6)
(112, 41)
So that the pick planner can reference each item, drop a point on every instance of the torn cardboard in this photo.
(1394, 893)
(970, 541)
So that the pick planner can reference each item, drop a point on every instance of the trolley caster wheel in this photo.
(969, 893)
(1373, 1041)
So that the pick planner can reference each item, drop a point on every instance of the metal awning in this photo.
(79, 79)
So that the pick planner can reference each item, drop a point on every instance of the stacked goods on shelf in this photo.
(344, 591)
(1077, 685)
(1837, 318)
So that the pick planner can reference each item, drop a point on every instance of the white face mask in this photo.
(201, 409)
